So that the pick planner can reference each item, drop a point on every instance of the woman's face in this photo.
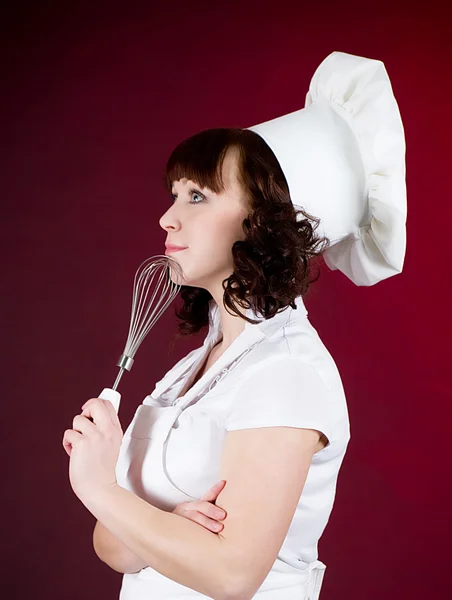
(207, 224)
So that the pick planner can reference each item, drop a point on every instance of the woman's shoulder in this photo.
(299, 342)
(293, 349)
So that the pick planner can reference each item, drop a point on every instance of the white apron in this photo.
(141, 468)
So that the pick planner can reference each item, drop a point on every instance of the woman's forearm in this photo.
(176, 547)
(113, 552)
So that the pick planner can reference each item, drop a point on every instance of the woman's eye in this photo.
(193, 193)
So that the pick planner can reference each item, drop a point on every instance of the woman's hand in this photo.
(203, 511)
(93, 446)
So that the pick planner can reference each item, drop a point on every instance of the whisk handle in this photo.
(113, 396)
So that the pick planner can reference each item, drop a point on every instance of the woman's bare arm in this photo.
(117, 556)
(113, 552)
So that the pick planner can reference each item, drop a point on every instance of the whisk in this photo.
(146, 310)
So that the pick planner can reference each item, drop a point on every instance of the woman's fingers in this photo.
(207, 502)
(69, 438)
(83, 425)
(208, 509)
(197, 516)
(203, 520)
(212, 494)
(204, 511)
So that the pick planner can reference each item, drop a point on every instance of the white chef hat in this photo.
(343, 156)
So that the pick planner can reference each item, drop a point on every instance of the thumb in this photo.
(212, 494)
(112, 412)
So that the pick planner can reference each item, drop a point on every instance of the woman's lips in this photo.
(173, 249)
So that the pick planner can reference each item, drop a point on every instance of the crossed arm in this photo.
(171, 544)
(233, 564)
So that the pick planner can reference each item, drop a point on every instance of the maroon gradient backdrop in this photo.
(95, 98)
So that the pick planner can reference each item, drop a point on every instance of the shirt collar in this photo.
(266, 327)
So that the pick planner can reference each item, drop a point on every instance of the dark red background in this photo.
(94, 98)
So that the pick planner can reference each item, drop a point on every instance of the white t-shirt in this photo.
(277, 372)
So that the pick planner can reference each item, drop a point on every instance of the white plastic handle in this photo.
(113, 396)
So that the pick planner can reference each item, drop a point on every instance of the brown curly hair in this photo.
(271, 267)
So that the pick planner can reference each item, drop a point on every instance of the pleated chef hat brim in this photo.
(343, 156)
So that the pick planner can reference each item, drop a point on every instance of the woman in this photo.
(260, 405)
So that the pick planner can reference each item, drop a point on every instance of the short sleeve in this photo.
(288, 392)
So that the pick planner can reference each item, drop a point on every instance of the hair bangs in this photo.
(200, 158)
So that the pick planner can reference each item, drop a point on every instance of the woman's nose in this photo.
(169, 220)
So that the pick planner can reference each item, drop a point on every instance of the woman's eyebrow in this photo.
(191, 190)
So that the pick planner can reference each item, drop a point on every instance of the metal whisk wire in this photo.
(145, 310)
